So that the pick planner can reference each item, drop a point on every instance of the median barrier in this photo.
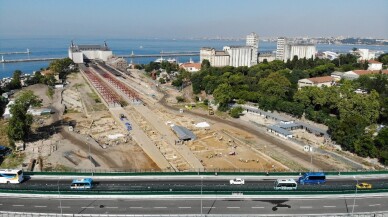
(200, 173)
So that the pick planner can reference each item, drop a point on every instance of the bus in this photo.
(11, 176)
(285, 184)
(81, 184)
(312, 178)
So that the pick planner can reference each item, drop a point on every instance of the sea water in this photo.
(58, 47)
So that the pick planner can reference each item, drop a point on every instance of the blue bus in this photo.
(312, 178)
(81, 184)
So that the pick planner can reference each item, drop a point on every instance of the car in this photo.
(237, 181)
(364, 185)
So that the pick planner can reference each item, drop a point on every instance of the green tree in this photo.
(15, 83)
(223, 95)
(20, 122)
(205, 64)
(274, 85)
(236, 111)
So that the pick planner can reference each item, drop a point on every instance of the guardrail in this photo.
(213, 172)
(189, 192)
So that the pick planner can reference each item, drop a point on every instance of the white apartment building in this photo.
(280, 48)
(253, 41)
(287, 50)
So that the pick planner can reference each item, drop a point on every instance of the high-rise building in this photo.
(286, 49)
(280, 48)
(253, 41)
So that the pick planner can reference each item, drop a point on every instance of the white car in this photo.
(237, 181)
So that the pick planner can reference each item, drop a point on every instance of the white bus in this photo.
(11, 176)
(285, 184)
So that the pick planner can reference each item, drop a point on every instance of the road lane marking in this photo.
(377, 204)
(64, 207)
(160, 207)
(352, 205)
(329, 206)
(135, 207)
(87, 207)
(257, 207)
(233, 207)
(184, 207)
(111, 207)
(41, 206)
(305, 207)
(17, 205)
(209, 207)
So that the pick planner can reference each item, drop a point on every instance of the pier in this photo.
(30, 60)
(164, 54)
(16, 52)
(132, 55)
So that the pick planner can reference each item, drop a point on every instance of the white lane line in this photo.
(352, 205)
(64, 207)
(209, 207)
(257, 207)
(233, 207)
(160, 207)
(377, 204)
(135, 207)
(329, 206)
(305, 207)
(1, 204)
(40, 206)
(111, 207)
(87, 207)
(17, 205)
(184, 207)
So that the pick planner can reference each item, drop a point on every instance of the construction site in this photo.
(106, 119)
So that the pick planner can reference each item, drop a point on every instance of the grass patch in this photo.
(3, 133)
(50, 92)
(13, 160)
(59, 168)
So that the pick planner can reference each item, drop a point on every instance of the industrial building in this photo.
(82, 53)
(286, 49)
(233, 55)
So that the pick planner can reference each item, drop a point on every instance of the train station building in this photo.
(83, 53)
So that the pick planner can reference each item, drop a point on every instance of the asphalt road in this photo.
(191, 183)
(193, 206)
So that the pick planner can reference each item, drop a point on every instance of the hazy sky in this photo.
(192, 18)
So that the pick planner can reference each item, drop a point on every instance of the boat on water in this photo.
(159, 60)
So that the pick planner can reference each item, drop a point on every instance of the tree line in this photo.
(352, 118)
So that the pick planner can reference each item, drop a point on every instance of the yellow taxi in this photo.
(364, 185)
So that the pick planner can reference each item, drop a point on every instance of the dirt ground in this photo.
(54, 150)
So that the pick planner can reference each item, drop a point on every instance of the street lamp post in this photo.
(355, 195)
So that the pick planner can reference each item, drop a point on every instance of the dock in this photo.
(161, 54)
(16, 52)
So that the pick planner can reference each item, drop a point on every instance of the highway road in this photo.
(193, 206)
(191, 183)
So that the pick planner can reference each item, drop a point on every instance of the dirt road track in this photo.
(287, 149)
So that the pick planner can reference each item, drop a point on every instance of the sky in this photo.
(193, 18)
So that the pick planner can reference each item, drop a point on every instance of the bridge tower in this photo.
(2, 58)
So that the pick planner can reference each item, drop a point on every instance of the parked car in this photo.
(237, 181)
(364, 185)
